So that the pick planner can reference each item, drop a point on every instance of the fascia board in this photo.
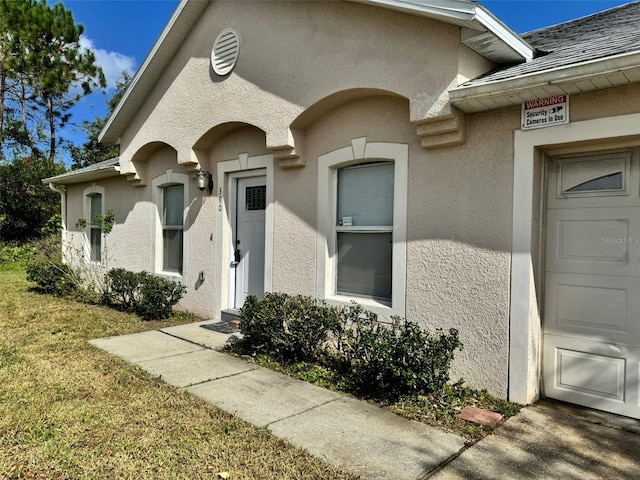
(460, 10)
(80, 176)
(504, 33)
(561, 75)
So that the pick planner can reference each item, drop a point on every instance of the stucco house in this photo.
(416, 156)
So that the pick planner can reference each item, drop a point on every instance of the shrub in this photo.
(122, 287)
(287, 327)
(149, 296)
(388, 362)
(375, 360)
(48, 249)
(52, 278)
(157, 296)
(15, 257)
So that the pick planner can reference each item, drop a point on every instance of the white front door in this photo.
(592, 282)
(248, 238)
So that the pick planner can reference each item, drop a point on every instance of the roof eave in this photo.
(78, 176)
(582, 77)
(482, 31)
(185, 14)
(522, 51)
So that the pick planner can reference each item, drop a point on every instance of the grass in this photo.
(69, 410)
(438, 409)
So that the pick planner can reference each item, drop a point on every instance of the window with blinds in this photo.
(172, 228)
(95, 230)
(364, 230)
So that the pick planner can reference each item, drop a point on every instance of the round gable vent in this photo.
(225, 51)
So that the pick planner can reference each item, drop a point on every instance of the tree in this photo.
(43, 72)
(25, 202)
(93, 151)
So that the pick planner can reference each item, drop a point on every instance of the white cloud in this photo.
(112, 63)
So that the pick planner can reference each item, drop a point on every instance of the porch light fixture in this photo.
(205, 180)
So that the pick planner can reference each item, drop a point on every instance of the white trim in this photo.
(165, 180)
(525, 348)
(504, 33)
(141, 71)
(228, 172)
(507, 89)
(328, 165)
(87, 193)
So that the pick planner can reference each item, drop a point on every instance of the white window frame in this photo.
(86, 214)
(361, 151)
(168, 179)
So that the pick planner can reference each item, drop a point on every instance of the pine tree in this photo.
(43, 73)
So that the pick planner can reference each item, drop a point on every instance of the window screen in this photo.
(96, 208)
(172, 228)
(173, 205)
(95, 231)
(364, 233)
(365, 194)
(364, 264)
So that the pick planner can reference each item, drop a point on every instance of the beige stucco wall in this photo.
(132, 244)
(460, 199)
(459, 245)
(338, 46)
(129, 244)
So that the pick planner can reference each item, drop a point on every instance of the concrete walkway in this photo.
(540, 442)
(364, 439)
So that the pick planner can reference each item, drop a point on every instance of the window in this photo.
(92, 211)
(95, 230)
(362, 217)
(170, 194)
(592, 175)
(172, 228)
(364, 231)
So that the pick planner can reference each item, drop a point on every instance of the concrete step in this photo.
(230, 315)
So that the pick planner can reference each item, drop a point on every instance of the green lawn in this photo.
(69, 410)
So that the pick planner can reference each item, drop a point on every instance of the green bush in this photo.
(15, 257)
(374, 360)
(149, 296)
(48, 249)
(157, 296)
(122, 287)
(287, 327)
(388, 362)
(51, 278)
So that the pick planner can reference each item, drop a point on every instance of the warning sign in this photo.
(545, 112)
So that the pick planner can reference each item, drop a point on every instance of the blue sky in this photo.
(123, 31)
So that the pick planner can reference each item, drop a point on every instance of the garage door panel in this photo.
(593, 307)
(590, 374)
(595, 374)
(588, 240)
(592, 282)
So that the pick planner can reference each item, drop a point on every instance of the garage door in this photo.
(592, 282)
